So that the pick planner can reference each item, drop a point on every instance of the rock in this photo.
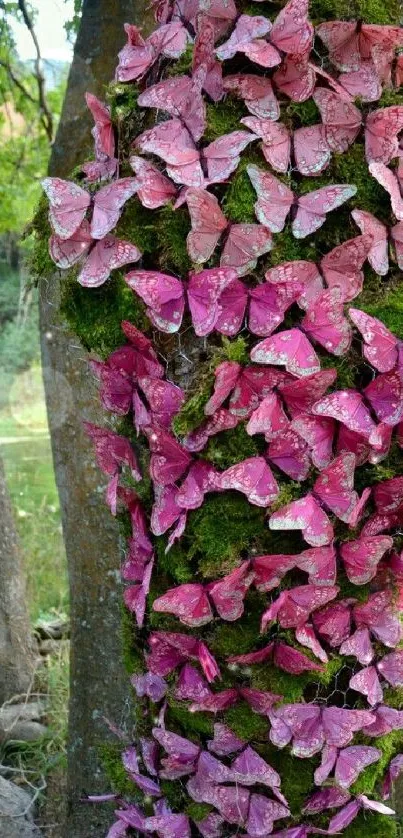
(22, 721)
(14, 801)
(52, 629)
(53, 647)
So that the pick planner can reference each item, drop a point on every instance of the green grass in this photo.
(30, 479)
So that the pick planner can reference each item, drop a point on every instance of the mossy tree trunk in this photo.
(16, 648)
(98, 682)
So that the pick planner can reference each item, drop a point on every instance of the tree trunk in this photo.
(98, 681)
(16, 649)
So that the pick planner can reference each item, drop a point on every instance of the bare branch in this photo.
(15, 80)
(47, 118)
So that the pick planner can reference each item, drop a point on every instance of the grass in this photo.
(25, 449)
(26, 452)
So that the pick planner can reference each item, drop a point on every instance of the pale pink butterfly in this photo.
(249, 38)
(347, 764)
(154, 189)
(325, 324)
(389, 180)
(139, 55)
(253, 478)
(381, 134)
(243, 243)
(307, 145)
(291, 349)
(180, 97)
(275, 200)
(204, 62)
(350, 44)
(378, 256)
(163, 295)
(362, 556)
(296, 77)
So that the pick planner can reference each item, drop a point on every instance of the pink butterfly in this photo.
(153, 188)
(293, 607)
(381, 134)
(253, 478)
(378, 256)
(140, 549)
(342, 267)
(347, 763)
(268, 418)
(385, 719)
(191, 602)
(361, 557)
(248, 37)
(347, 407)
(341, 119)
(262, 815)
(290, 349)
(103, 130)
(310, 727)
(69, 204)
(270, 570)
(346, 815)
(135, 596)
(318, 433)
(225, 742)
(325, 323)
(163, 295)
(305, 635)
(320, 565)
(296, 77)
(283, 656)
(390, 181)
(379, 615)
(169, 650)
(310, 150)
(333, 623)
(139, 55)
(200, 479)
(359, 646)
(306, 515)
(310, 389)
(180, 97)
(205, 64)
(367, 682)
(275, 200)
(217, 300)
(169, 460)
(328, 798)
(385, 395)
(249, 387)
(257, 93)
(152, 686)
(396, 235)
(112, 453)
(102, 256)
(290, 453)
(188, 165)
(334, 488)
(244, 243)
(350, 44)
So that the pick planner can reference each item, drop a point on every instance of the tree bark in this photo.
(98, 681)
(16, 649)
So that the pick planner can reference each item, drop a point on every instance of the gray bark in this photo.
(16, 650)
(98, 682)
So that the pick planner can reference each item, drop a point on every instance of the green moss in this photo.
(371, 11)
(368, 780)
(183, 64)
(176, 562)
(298, 114)
(198, 811)
(296, 777)
(132, 655)
(111, 759)
(191, 414)
(378, 826)
(245, 723)
(239, 638)
(388, 307)
(230, 447)
(96, 317)
(240, 197)
(171, 232)
(39, 261)
(191, 724)
(223, 117)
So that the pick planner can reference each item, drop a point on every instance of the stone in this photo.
(22, 721)
(13, 802)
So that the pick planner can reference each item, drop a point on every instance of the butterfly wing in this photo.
(247, 28)
(301, 399)
(381, 134)
(187, 602)
(311, 150)
(154, 190)
(226, 376)
(107, 255)
(378, 256)
(257, 93)
(180, 98)
(292, 31)
(274, 199)
(314, 206)
(67, 252)
(367, 682)
(68, 205)
(342, 267)
(204, 293)
(268, 305)
(208, 223)
(291, 349)
(108, 203)
(359, 645)
(341, 40)
(325, 323)
(268, 418)
(296, 77)
(306, 515)
(172, 142)
(253, 478)
(352, 761)
(362, 556)
(334, 486)
(228, 593)
(244, 245)
(318, 433)
(223, 155)
(254, 383)
(390, 182)
(276, 138)
(385, 395)
(169, 459)
(289, 452)
(363, 83)
(300, 273)
(341, 118)
(380, 346)
(163, 295)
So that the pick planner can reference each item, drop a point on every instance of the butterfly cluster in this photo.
(336, 593)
